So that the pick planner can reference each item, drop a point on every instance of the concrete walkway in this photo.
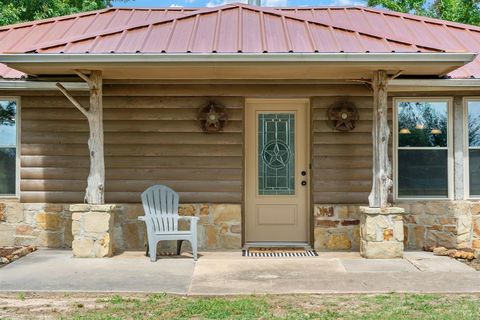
(224, 273)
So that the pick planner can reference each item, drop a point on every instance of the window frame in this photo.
(466, 149)
(450, 147)
(17, 148)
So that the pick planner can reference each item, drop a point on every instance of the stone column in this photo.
(92, 229)
(381, 233)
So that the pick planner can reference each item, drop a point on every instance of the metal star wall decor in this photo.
(343, 115)
(212, 118)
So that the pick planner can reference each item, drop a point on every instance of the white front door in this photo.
(277, 184)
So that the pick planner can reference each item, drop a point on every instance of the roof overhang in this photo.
(239, 65)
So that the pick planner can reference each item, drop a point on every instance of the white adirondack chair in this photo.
(160, 204)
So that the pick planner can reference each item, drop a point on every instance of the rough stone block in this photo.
(226, 213)
(131, 236)
(236, 228)
(339, 241)
(24, 229)
(230, 241)
(49, 239)
(7, 233)
(82, 248)
(79, 207)
(26, 240)
(326, 223)
(187, 209)
(13, 212)
(103, 247)
(381, 250)
(320, 239)
(97, 222)
(324, 211)
(211, 236)
(48, 221)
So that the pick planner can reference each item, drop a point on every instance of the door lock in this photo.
(304, 183)
(304, 173)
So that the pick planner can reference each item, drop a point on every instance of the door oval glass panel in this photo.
(276, 154)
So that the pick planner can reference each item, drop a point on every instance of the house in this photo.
(343, 128)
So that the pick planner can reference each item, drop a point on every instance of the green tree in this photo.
(464, 11)
(13, 11)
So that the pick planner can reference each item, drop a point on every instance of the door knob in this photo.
(304, 183)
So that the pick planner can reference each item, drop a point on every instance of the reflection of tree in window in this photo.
(422, 124)
(473, 130)
(8, 147)
(7, 113)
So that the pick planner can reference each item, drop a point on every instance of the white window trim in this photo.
(466, 149)
(17, 152)
(451, 162)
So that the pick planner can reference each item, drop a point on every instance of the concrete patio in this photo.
(228, 273)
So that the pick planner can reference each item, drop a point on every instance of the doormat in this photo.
(278, 252)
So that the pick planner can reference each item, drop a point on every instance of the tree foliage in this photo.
(13, 11)
(464, 11)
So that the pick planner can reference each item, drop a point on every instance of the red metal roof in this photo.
(239, 28)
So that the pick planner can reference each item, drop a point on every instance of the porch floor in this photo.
(228, 273)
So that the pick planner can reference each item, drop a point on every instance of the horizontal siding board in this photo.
(342, 138)
(341, 197)
(133, 138)
(123, 114)
(342, 161)
(132, 185)
(127, 197)
(109, 102)
(213, 174)
(320, 126)
(148, 140)
(134, 149)
(196, 162)
(124, 126)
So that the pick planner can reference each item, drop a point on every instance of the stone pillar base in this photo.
(92, 229)
(381, 233)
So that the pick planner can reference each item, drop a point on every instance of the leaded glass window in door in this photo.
(276, 154)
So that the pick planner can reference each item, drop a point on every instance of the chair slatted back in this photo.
(160, 204)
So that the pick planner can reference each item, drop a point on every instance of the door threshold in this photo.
(277, 245)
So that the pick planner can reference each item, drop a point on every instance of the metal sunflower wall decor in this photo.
(343, 115)
(212, 118)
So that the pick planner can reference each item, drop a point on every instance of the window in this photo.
(473, 145)
(422, 154)
(8, 146)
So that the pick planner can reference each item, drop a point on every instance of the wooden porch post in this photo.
(382, 169)
(94, 194)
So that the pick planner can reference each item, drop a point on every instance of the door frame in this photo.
(309, 155)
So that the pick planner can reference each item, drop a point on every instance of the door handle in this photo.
(304, 183)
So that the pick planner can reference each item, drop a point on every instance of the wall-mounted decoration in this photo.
(213, 118)
(343, 115)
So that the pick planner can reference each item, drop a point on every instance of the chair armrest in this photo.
(142, 218)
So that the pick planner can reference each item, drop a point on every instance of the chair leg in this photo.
(194, 248)
(153, 250)
(179, 247)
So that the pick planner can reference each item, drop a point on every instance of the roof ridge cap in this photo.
(25, 24)
(56, 43)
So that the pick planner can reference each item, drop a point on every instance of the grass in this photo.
(367, 307)
(393, 306)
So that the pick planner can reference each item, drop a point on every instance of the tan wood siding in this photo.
(342, 161)
(148, 140)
